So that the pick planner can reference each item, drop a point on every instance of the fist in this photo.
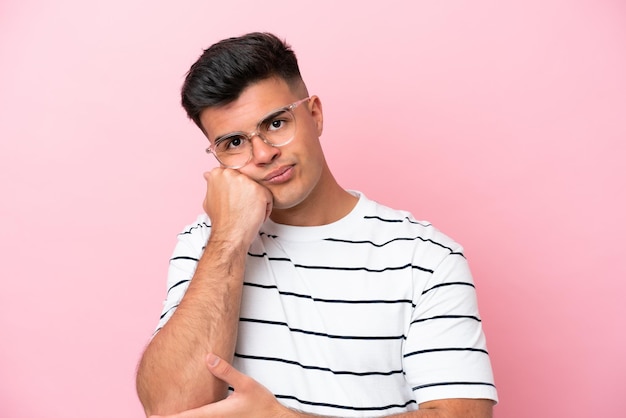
(236, 204)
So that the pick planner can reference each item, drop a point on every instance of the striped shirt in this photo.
(368, 316)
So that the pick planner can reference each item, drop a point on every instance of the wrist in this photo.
(294, 413)
(229, 240)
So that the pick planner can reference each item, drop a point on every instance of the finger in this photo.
(190, 413)
(201, 412)
(269, 205)
(214, 170)
(223, 370)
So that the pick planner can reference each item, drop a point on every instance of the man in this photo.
(323, 301)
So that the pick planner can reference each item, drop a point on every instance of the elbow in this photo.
(159, 404)
(144, 396)
(155, 397)
(168, 398)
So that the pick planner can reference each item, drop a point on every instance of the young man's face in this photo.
(293, 173)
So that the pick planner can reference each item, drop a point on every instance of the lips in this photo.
(280, 175)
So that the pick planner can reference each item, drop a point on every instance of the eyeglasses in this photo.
(277, 128)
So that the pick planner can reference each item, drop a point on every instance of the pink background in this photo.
(501, 122)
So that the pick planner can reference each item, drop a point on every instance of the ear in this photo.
(315, 107)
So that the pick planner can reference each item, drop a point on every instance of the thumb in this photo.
(223, 370)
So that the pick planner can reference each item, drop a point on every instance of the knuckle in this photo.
(224, 368)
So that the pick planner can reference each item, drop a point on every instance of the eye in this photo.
(231, 143)
(276, 124)
(235, 142)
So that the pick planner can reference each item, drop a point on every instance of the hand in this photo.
(236, 204)
(249, 400)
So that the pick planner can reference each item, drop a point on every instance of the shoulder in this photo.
(197, 232)
(389, 222)
(202, 223)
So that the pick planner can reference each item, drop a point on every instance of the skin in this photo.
(251, 400)
(292, 185)
(311, 196)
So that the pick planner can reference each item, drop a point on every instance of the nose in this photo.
(262, 152)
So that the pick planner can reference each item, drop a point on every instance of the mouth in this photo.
(280, 175)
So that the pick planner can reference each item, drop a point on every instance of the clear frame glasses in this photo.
(277, 128)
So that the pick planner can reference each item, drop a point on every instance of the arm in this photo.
(172, 376)
(252, 400)
(453, 408)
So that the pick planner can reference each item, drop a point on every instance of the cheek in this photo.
(309, 152)
(313, 162)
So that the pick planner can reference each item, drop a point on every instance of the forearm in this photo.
(444, 408)
(431, 413)
(412, 414)
(172, 375)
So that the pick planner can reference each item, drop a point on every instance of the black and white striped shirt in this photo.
(368, 316)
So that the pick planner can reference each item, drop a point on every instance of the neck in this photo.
(323, 206)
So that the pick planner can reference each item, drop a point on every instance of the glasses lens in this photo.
(233, 150)
(278, 128)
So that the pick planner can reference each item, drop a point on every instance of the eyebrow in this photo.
(235, 133)
(271, 114)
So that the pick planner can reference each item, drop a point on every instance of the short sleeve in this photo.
(182, 266)
(445, 355)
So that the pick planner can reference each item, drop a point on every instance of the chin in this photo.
(287, 202)
(278, 205)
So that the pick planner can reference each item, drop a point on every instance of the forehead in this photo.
(255, 102)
